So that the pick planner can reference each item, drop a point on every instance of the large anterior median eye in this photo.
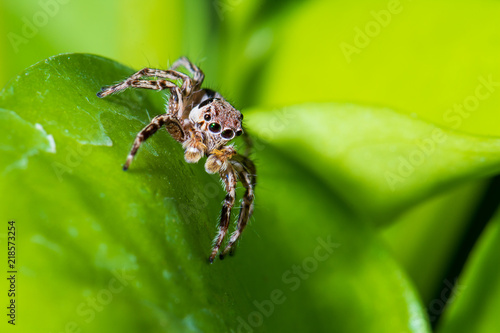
(214, 127)
(227, 134)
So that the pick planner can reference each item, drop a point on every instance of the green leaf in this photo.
(104, 250)
(423, 240)
(379, 161)
(433, 72)
(473, 304)
(20, 141)
(373, 54)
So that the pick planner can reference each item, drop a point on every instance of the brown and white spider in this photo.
(204, 122)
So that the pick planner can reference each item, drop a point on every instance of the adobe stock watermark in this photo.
(426, 147)
(278, 121)
(200, 201)
(224, 6)
(292, 278)
(32, 25)
(447, 297)
(73, 158)
(372, 29)
(88, 309)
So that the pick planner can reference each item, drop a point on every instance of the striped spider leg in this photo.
(245, 170)
(204, 123)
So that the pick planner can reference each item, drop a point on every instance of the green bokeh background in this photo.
(424, 59)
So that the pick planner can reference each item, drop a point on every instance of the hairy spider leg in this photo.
(175, 107)
(198, 75)
(145, 84)
(247, 176)
(230, 179)
(156, 123)
(135, 81)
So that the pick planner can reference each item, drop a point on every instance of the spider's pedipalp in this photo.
(194, 147)
(217, 160)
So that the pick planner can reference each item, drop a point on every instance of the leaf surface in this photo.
(109, 250)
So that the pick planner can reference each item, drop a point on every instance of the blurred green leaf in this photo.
(127, 251)
(381, 162)
(406, 55)
(473, 305)
(433, 231)
(425, 60)
(134, 32)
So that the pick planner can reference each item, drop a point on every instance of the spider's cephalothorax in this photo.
(204, 122)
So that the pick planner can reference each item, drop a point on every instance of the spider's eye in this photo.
(207, 117)
(239, 132)
(227, 134)
(214, 127)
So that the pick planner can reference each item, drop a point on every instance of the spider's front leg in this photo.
(229, 177)
(137, 81)
(175, 107)
(150, 129)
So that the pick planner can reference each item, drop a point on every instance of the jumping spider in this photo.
(204, 122)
